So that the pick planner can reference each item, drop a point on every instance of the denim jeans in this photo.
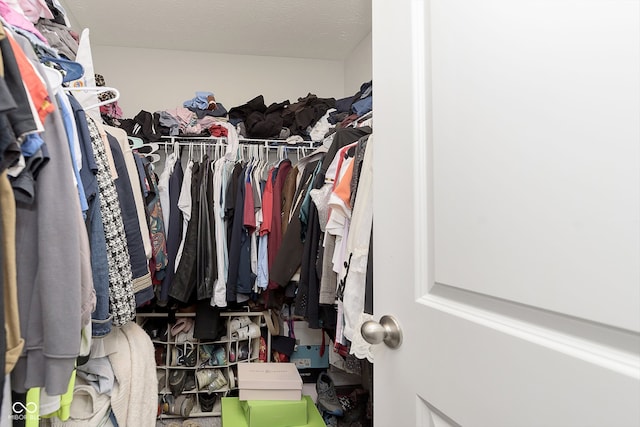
(101, 318)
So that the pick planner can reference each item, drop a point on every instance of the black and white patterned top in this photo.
(122, 303)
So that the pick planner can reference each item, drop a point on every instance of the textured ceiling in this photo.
(320, 29)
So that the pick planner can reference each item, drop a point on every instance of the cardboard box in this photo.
(308, 357)
(275, 413)
(269, 381)
(233, 415)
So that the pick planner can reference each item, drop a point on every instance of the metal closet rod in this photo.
(212, 140)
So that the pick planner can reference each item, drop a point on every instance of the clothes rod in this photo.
(212, 140)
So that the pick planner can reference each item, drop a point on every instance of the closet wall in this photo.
(158, 79)
(357, 66)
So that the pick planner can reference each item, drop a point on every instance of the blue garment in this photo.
(263, 262)
(174, 236)
(69, 125)
(72, 70)
(200, 101)
(89, 165)
(263, 254)
(100, 318)
(362, 106)
(135, 244)
(167, 120)
(240, 279)
(143, 296)
(141, 174)
(31, 144)
(246, 277)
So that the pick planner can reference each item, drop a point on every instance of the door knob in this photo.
(387, 331)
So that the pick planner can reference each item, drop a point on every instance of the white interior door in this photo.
(507, 212)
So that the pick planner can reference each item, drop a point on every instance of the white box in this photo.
(269, 381)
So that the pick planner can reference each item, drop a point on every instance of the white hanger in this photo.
(98, 90)
(53, 77)
(176, 149)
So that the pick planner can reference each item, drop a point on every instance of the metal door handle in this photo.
(387, 331)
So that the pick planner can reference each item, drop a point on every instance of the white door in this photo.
(507, 212)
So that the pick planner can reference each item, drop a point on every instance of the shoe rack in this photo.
(194, 375)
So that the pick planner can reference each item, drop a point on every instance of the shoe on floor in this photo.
(329, 420)
(327, 399)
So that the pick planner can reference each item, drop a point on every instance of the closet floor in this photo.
(191, 422)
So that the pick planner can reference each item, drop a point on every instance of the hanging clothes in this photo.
(353, 273)
(275, 235)
(141, 278)
(101, 317)
(158, 261)
(184, 282)
(12, 340)
(223, 170)
(206, 263)
(121, 296)
(170, 208)
(308, 295)
(239, 280)
(43, 287)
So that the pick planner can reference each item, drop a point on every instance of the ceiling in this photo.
(319, 29)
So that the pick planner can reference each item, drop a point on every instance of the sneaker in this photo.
(207, 401)
(177, 356)
(219, 357)
(190, 382)
(245, 332)
(243, 351)
(327, 399)
(204, 377)
(210, 379)
(329, 420)
(238, 322)
(182, 330)
(177, 378)
(212, 356)
(183, 405)
(160, 355)
(219, 381)
(167, 403)
(189, 355)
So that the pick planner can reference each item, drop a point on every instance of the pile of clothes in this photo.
(309, 119)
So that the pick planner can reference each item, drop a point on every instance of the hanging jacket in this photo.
(184, 281)
(206, 266)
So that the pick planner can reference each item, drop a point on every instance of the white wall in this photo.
(154, 79)
(357, 66)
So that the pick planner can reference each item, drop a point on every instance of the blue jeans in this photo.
(101, 318)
